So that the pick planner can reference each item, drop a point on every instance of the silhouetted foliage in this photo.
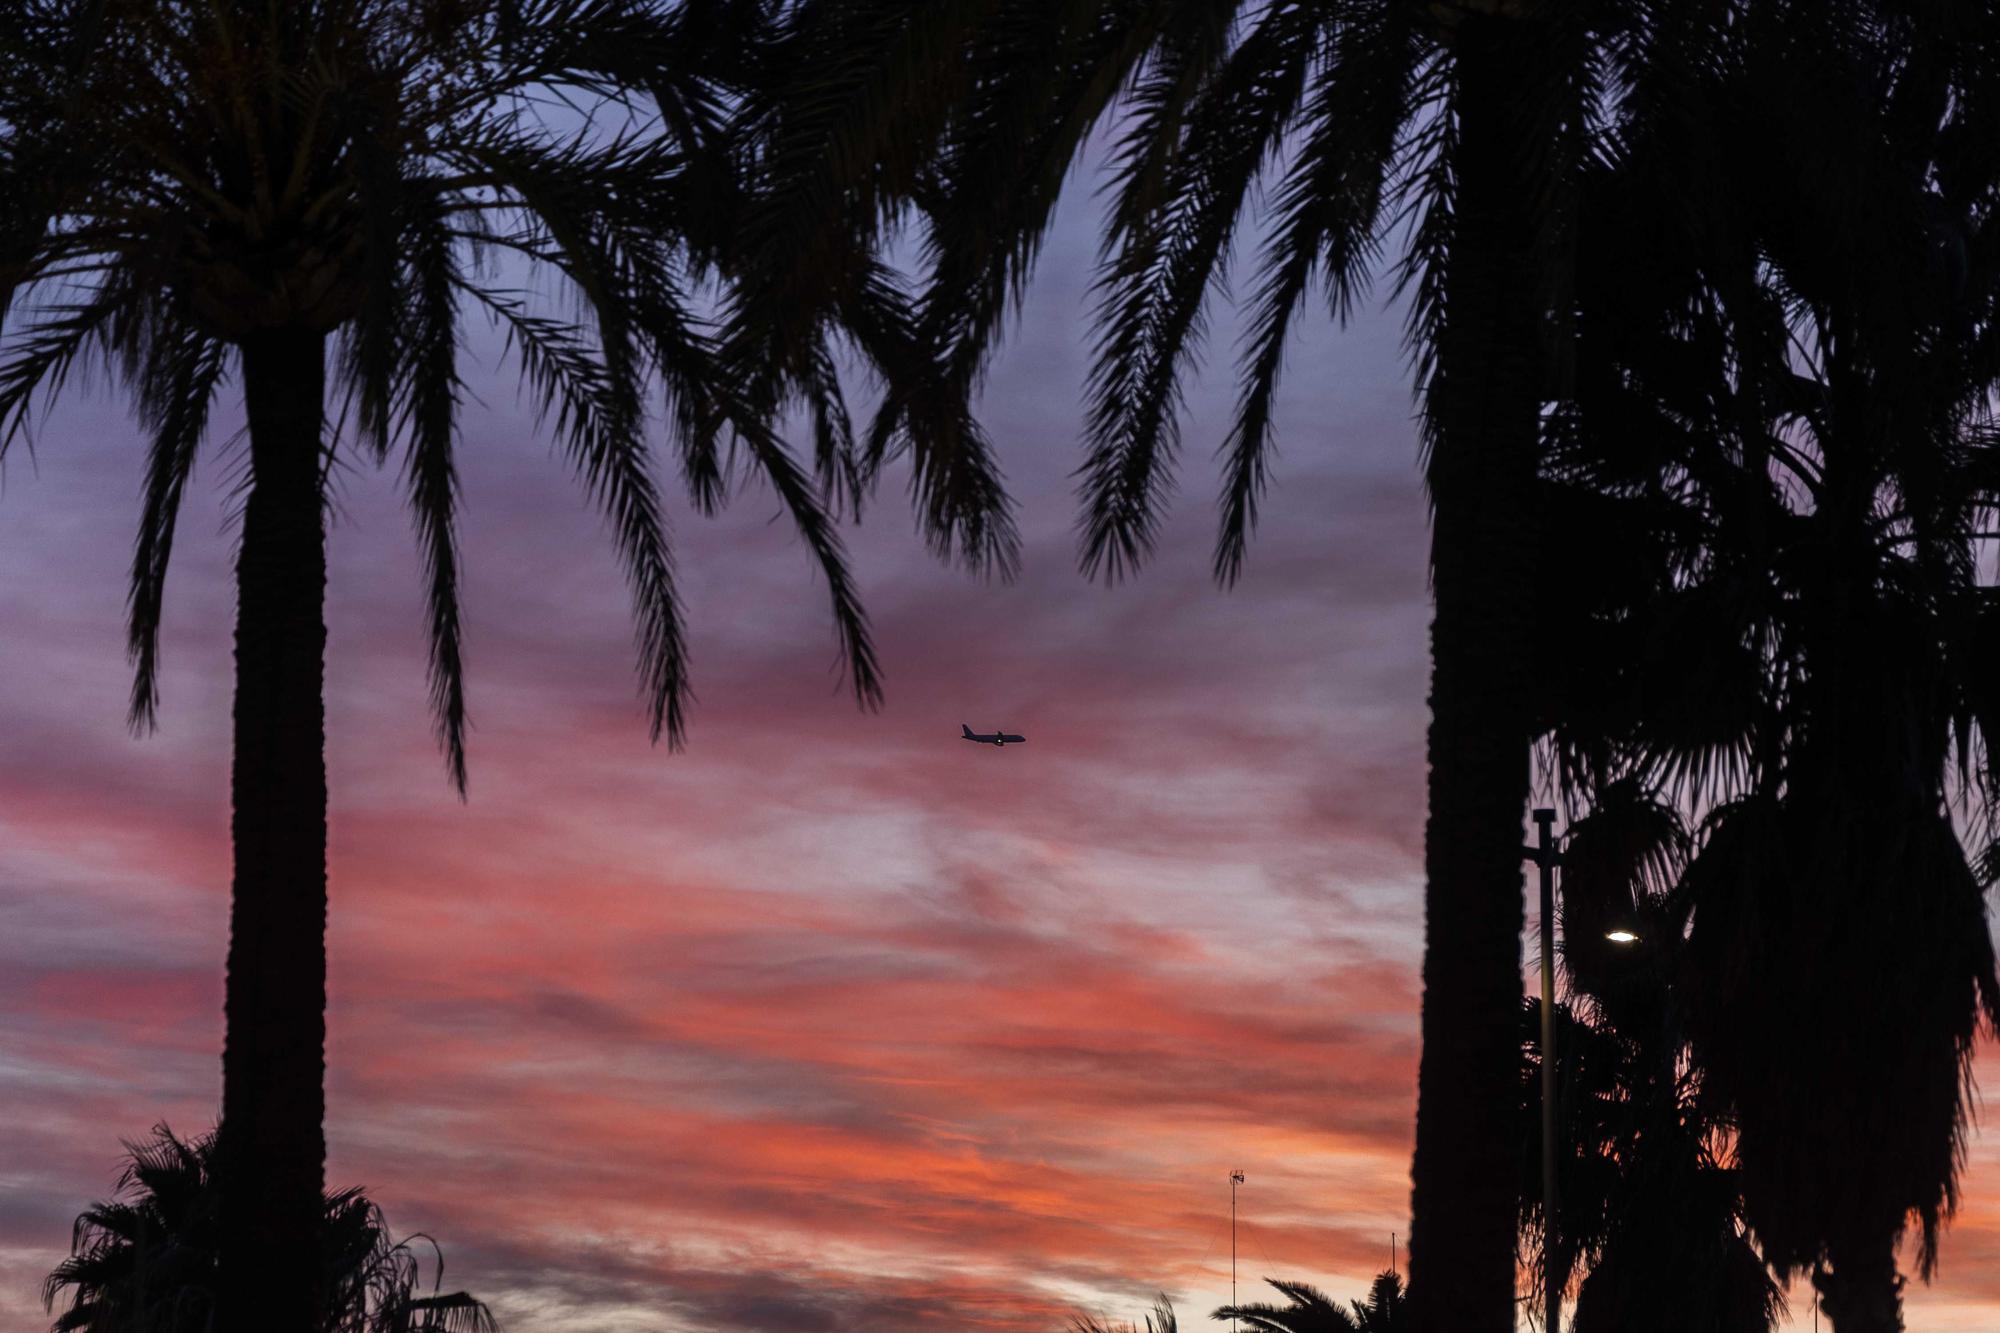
(1310, 1310)
(145, 1261)
(1790, 647)
(368, 165)
(1651, 1211)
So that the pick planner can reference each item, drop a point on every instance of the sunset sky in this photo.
(832, 1022)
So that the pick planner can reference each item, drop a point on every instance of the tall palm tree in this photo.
(1851, 860)
(1837, 965)
(1839, 740)
(309, 198)
(1472, 119)
(1841, 954)
(146, 1261)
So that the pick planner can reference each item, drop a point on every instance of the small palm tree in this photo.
(147, 1262)
(304, 202)
(1310, 1310)
(1307, 1310)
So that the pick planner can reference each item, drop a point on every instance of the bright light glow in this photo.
(1621, 937)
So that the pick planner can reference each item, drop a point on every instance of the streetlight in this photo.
(1546, 858)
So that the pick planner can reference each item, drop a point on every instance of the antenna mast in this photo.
(1235, 1179)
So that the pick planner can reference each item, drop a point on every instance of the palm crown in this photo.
(190, 176)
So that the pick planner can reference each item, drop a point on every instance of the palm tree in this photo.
(1840, 950)
(309, 198)
(1383, 1310)
(1847, 861)
(1307, 1310)
(1839, 737)
(1310, 1310)
(146, 1262)
(1472, 119)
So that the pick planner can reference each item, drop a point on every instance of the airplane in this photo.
(991, 738)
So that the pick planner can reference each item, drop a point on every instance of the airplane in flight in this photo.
(991, 737)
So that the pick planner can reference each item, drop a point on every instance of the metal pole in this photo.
(1235, 1179)
(1545, 857)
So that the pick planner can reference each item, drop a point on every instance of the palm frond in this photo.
(601, 430)
(48, 351)
(1326, 217)
(925, 416)
(1042, 80)
(794, 490)
(1309, 1310)
(1158, 271)
(189, 371)
(429, 420)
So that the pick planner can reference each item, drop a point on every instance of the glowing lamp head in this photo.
(1621, 936)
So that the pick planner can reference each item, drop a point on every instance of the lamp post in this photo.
(1547, 857)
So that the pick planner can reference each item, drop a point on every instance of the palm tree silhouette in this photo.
(309, 198)
(1838, 917)
(1471, 119)
(1843, 868)
(1310, 1310)
(1805, 659)
(146, 1261)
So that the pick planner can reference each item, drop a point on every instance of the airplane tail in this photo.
(966, 730)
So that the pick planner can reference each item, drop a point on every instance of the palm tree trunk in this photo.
(1485, 415)
(271, 1152)
(1863, 1292)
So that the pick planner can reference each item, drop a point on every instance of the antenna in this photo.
(1235, 1179)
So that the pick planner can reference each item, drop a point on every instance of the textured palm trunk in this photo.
(1486, 411)
(1855, 759)
(1863, 1292)
(272, 1146)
